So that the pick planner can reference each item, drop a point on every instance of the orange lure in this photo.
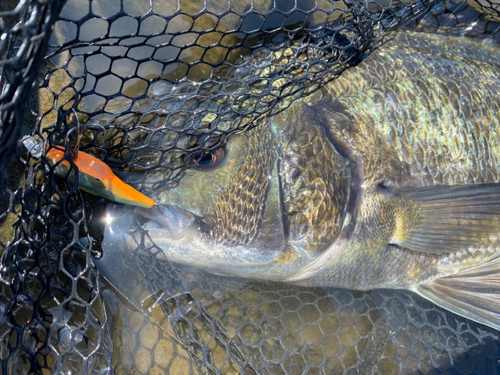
(95, 177)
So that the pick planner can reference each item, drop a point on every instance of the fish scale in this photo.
(230, 207)
(420, 157)
(309, 220)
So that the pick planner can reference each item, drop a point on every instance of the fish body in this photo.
(388, 177)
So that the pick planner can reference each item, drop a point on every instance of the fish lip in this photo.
(175, 221)
(167, 221)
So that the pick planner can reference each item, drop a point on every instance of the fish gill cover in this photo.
(145, 86)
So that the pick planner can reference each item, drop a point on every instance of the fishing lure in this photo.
(94, 176)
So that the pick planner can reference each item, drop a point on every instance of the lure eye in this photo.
(208, 160)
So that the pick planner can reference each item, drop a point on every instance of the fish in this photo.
(386, 177)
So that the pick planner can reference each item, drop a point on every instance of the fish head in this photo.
(262, 205)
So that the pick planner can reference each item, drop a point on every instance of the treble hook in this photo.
(79, 128)
(74, 147)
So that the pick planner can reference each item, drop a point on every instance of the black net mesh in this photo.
(151, 86)
(25, 31)
(148, 80)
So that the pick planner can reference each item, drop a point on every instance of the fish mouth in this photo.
(179, 236)
(172, 221)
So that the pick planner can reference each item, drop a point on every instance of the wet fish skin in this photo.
(410, 92)
(415, 116)
(386, 178)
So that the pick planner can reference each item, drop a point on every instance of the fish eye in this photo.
(208, 160)
(211, 156)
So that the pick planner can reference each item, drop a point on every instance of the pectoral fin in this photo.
(446, 219)
(473, 293)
